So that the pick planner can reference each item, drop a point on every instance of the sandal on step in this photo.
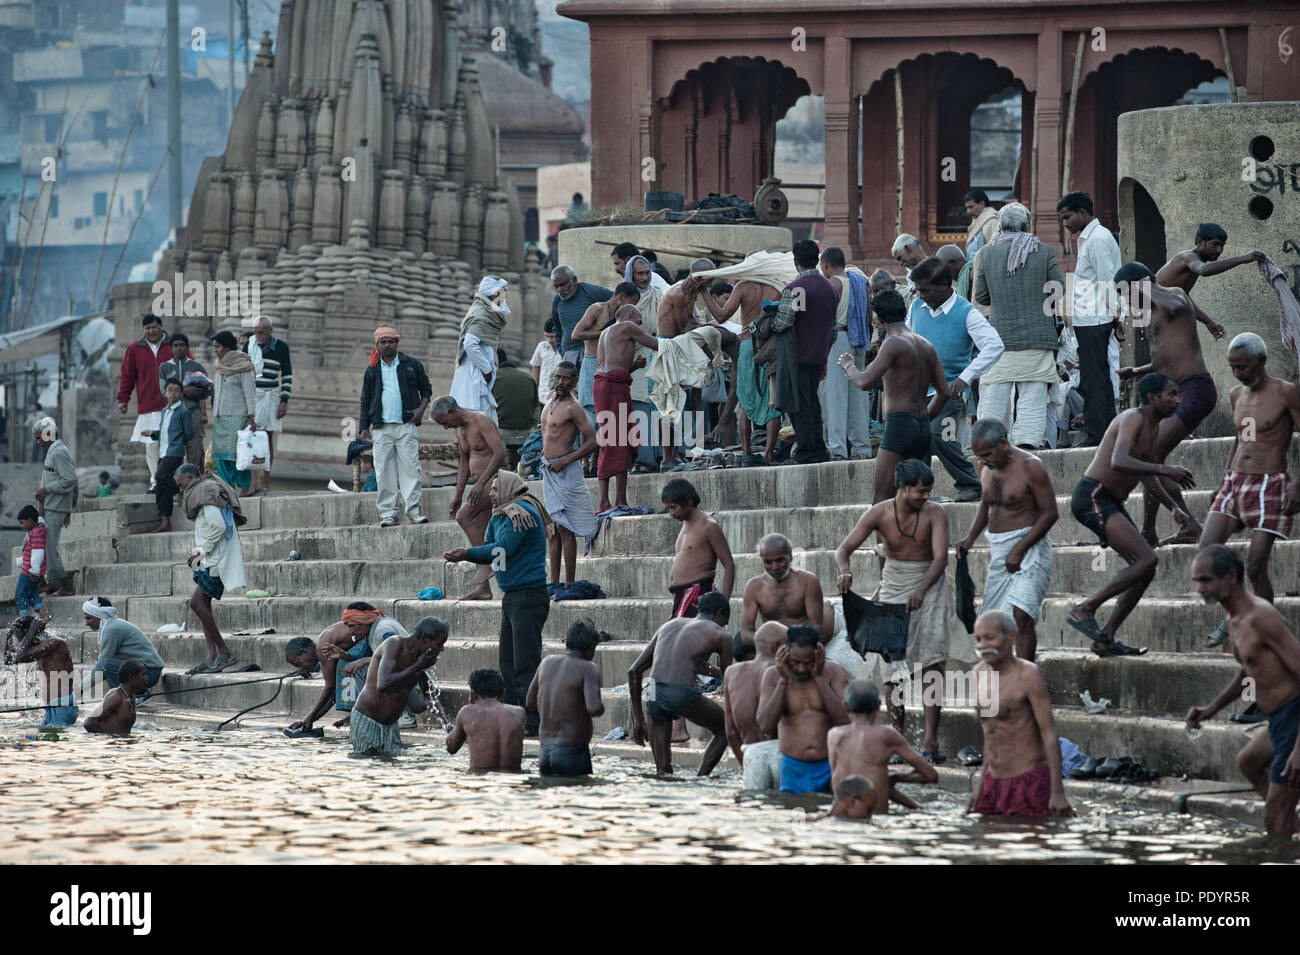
(1117, 649)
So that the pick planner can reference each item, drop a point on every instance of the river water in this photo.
(251, 796)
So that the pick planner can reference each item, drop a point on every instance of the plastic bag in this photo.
(252, 450)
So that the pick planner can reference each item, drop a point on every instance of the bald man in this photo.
(757, 754)
(960, 269)
(780, 593)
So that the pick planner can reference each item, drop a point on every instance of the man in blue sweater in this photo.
(968, 346)
(515, 545)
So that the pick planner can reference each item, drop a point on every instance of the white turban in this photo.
(92, 608)
(490, 286)
(46, 428)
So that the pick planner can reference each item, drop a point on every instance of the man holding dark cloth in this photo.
(808, 303)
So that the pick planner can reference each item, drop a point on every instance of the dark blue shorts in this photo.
(212, 586)
(801, 776)
(1283, 727)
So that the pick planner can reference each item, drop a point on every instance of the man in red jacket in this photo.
(140, 373)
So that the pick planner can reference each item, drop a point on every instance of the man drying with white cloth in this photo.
(915, 536)
(564, 491)
(1018, 506)
(476, 351)
(217, 559)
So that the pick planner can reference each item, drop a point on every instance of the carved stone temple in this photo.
(359, 187)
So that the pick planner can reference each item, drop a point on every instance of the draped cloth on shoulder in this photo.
(210, 489)
(1289, 320)
(484, 320)
(776, 269)
(934, 633)
(512, 491)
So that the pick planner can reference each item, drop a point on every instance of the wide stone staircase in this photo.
(343, 555)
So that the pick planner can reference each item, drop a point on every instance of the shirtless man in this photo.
(853, 798)
(1256, 493)
(396, 667)
(1022, 757)
(482, 453)
(906, 366)
(700, 547)
(1176, 352)
(1269, 655)
(915, 534)
(863, 749)
(564, 489)
(27, 642)
(566, 691)
(1017, 509)
(741, 685)
(117, 713)
(678, 651)
(780, 593)
(619, 433)
(677, 307)
(595, 320)
(493, 728)
(342, 650)
(801, 698)
(746, 303)
(1204, 260)
(1126, 455)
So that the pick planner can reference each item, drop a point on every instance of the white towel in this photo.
(567, 499)
(681, 362)
(1026, 587)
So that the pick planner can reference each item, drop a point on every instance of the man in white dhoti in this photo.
(1018, 508)
(914, 533)
(217, 559)
(476, 351)
(567, 438)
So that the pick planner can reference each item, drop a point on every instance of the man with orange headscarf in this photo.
(515, 545)
(394, 396)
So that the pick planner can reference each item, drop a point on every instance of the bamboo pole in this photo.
(898, 127)
(1067, 169)
(1227, 64)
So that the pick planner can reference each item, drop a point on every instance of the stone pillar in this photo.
(271, 221)
(417, 201)
(456, 143)
(359, 198)
(327, 208)
(392, 211)
(450, 50)
(471, 229)
(245, 207)
(496, 233)
(1047, 226)
(216, 217)
(266, 134)
(403, 141)
(300, 231)
(290, 136)
(444, 220)
(842, 225)
(433, 145)
(323, 146)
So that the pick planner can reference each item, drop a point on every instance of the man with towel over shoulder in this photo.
(476, 351)
(564, 489)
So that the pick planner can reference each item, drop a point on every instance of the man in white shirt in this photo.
(1091, 313)
(956, 329)
(845, 406)
(545, 357)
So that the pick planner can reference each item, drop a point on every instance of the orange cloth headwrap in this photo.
(383, 331)
(361, 617)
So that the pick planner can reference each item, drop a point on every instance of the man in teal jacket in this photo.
(515, 546)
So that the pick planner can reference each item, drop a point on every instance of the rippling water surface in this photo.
(251, 796)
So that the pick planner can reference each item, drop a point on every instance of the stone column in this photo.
(392, 211)
(327, 208)
(323, 146)
(1048, 138)
(266, 134)
(216, 216)
(417, 201)
(471, 229)
(496, 233)
(300, 231)
(450, 50)
(842, 224)
(290, 136)
(245, 208)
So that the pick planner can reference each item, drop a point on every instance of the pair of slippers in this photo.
(970, 756)
(1116, 769)
(1088, 627)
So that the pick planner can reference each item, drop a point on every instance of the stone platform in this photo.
(344, 556)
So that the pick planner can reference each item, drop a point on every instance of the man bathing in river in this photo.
(1017, 510)
(863, 749)
(1269, 655)
(27, 642)
(680, 650)
(757, 753)
(493, 728)
(1022, 756)
(780, 593)
(1126, 455)
(802, 697)
(117, 713)
(566, 691)
(1176, 352)
(1256, 493)
(481, 454)
(394, 670)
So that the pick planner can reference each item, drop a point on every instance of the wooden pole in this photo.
(898, 126)
(1033, 171)
(1066, 169)
(1227, 64)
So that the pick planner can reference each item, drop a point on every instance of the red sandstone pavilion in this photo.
(698, 86)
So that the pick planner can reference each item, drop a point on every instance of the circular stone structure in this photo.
(587, 248)
(1236, 164)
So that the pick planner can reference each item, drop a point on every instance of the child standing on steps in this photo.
(27, 593)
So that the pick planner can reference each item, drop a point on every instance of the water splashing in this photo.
(435, 702)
